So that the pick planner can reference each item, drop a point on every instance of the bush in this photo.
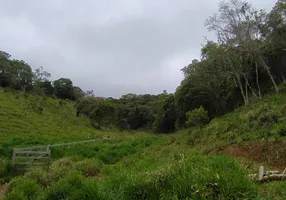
(211, 177)
(263, 116)
(16, 194)
(41, 176)
(73, 187)
(89, 167)
(5, 167)
(197, 117)
(29, 187)
(60, 168)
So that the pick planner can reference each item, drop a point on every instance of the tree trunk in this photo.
(241, 89)
(257, 81)
(247, 83)
(246, 91)
(283, 78)
(270, 75)
(235, 83)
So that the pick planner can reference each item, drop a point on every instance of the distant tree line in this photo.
(18, 75)
(247, 61)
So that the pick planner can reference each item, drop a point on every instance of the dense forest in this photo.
(246, 61)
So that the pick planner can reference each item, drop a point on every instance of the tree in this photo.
(103, 115)
(5, 72)
(85, 105)
(41, 75)
(129, 96)
(78, 93)
(166, 118)
(42, 85)
(237, 26)
(64, 88)
(5, 55)
(21, 75)
(89, 93)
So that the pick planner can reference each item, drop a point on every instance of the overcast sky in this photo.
(113, 47)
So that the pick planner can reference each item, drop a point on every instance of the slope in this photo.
(27, 119)
(138, 165)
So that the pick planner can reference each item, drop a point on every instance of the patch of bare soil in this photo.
(271, 153)
(3, 190)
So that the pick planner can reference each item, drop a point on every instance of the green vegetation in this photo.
(245, 67)
(246, 62)
(197, 117)
(22, 124)
(136, 165)
(261, 120)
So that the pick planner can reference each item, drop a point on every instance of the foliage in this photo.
(28, 187)
(206, 178)
(197, 117)
(245, 66)
(89, 167)
(73, 186)
(16, 194)
(274, 190)
(261, 120)
(134, 163)
(63, 88)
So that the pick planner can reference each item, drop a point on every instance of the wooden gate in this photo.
(31, 155)
(40, 155)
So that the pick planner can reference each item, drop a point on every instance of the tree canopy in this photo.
(246, 61)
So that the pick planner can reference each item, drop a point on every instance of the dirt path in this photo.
(3, 190)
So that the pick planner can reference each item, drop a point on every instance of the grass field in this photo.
(190, 164)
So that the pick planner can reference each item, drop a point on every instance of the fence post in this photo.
(261, 173)
(14, 157)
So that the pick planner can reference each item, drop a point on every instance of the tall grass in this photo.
(194, 178)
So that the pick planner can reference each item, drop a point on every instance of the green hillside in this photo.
(192, 164)
(27, 119)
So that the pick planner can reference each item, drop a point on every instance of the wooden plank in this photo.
(30, 163)
(14, 155)
(62, 144)
(38, 158)
(32, 152)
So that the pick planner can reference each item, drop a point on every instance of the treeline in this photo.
(18, 75)
(247, 60)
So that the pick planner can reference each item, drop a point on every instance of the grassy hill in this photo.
(27, 119)
(211, 162)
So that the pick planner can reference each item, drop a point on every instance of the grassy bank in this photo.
(190, 164)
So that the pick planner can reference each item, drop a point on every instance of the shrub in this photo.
(30, 188)
(41, 176)
(263, 116)
(88, 191)
(89, 167)
(73, 187)
(60, 168)
(197, 117)
(16, 194)
(211, 177)
(5, 167)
